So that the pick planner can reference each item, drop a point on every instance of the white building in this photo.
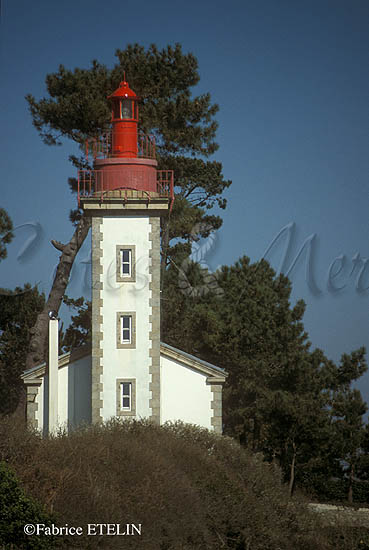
(128, 372)
(190, 390)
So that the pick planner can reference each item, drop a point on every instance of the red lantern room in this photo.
(125, 167)
(124, 121)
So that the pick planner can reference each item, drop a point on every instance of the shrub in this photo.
(17, 510)
(189, 488)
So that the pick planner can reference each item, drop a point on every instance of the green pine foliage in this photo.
(6, 235)
(282, 399)
(17, 510)
(79, 331)
(347, 412)
(18, 312)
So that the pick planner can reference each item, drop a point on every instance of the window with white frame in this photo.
(126, 329)
(126, 396)
(125, 270)
(126, 262)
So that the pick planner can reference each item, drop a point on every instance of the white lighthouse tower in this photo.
(125, 195)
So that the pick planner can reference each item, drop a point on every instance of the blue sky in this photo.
(291, 81)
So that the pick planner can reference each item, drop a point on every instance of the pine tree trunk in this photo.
(39, 340)
(351, 483)
(255, 436)
(292, 472)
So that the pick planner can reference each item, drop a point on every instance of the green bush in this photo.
(17, 510)
(335, 489)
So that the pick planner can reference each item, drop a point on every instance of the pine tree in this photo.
(6, 235)
(278, 395)
(18, 312)
(245, 324)
(347, 410)
(183, 125)
(79, 331)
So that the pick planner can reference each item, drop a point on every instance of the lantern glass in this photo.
(116, 109)
(127, 108)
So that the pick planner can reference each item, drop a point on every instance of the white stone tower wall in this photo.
(141, 298)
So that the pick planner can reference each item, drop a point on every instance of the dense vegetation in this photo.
(18, 510)
(18, 312)
(282, 399)
(188, 488)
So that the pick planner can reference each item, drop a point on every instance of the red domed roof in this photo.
(123, 91)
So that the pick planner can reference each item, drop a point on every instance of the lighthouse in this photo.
(128, 372)
(125, 195)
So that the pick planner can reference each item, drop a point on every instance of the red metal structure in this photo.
(124, 159)
(124, 119)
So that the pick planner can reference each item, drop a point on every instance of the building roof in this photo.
(217, 374)
(192, 357)
(63, 359)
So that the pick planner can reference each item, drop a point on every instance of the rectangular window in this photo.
(126, 263)
(126, 329)
(126, 108)
(126, 396)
